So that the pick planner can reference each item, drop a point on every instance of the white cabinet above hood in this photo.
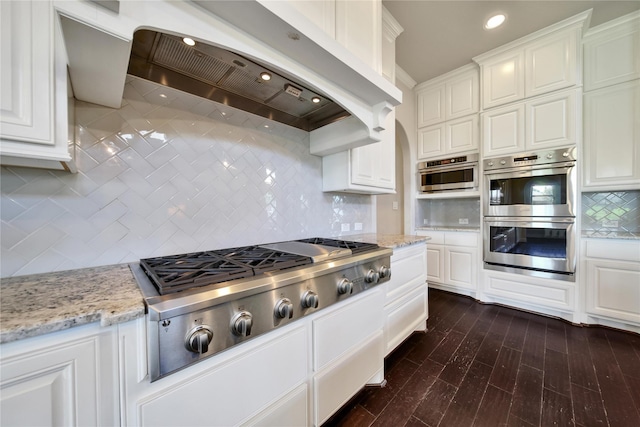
(275, 34)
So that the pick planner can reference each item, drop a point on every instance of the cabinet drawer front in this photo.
(337, 384)
(626, 250)
(528, 290)
(406, 273)
(274, 368)
(292, 410)
(336, 333)
(461, 239)
(403, 317)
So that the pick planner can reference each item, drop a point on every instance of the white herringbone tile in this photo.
(167, 173)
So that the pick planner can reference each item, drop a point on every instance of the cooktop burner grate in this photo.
(356, 247)
(176, 273)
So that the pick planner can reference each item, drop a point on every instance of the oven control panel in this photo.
(560, 155)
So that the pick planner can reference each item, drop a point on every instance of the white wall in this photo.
(168, 173)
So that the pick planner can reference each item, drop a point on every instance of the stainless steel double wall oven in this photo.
(529, 213)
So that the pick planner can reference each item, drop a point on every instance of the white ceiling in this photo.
(440, 36)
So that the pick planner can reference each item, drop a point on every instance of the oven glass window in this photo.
(448, 177)
(538, 242)
(534, 190)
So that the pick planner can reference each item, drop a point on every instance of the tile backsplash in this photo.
(168, 173)
(611, 212)
(448, 212)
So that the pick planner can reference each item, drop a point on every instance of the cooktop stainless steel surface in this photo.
(199, 304)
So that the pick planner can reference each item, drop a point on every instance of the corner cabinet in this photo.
(36, 101)
(64, 378)
(612, 282)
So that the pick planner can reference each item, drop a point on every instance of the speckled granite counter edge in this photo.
(38, 304)
(388, 240)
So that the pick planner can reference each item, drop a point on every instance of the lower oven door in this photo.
(537, 244)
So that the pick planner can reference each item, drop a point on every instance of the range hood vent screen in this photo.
(228, 78)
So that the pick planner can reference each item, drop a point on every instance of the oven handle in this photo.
(435, 169)
(527, 169)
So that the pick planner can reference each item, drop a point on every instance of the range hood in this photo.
(144, 39)
(229, 78)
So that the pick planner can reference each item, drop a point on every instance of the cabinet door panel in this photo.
(503, 130)
(320, 12)
(614, 289)
(431, 108)
(435, 263)
(359, 29)
(551, 121)
(612, 137)
(431, 141)
(462, 96)
(503, 79)
(460, 267)
(551, 64)
(462, 134)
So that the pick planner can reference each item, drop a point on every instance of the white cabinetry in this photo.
(263, 381)
(447, 113)
(369, 169)
(348, 352)
(66, 378)
(542, 62)
(612, 106)
(612, 274)
(548, 121)
(406, 294)
(34, 112)
(452, 262)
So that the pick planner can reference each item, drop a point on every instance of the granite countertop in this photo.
(455, 228)
(626, 235)
(388, 240)
(42, 303)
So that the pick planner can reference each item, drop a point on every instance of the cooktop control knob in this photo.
(198, 339)
(503, 162)
(550, 156)
(241, 324)
(284, 309)
(490, 164)
(345, 286)
(372, 276)
(310, 299)
(384, 271)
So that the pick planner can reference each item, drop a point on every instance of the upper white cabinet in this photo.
(34, 112)
(448, 97)
(612, 52)
(611, 154)
(542, 62)
(447, 110)
(369, 169)
(612, 138)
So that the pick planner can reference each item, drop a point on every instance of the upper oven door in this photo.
(531, 191)
(450, 177)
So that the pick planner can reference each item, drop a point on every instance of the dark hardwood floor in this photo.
(486, 365)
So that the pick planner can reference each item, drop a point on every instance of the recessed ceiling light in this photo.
(495, 21)
(315, 100)
(190, 42)
(265, 76)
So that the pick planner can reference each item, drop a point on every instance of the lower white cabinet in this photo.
(452, 260)
(61, 379)
(406, 295)
(611, 269)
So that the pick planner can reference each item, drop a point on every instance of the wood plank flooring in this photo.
(486, 365)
